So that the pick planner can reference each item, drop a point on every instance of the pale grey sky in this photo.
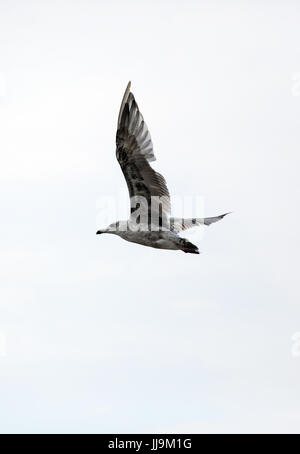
(100, 335)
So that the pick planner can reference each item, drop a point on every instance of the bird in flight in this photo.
(150, 222)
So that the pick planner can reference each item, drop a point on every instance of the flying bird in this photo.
(150, 222)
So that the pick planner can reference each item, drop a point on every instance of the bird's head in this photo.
(115, 227)
(109, 229)
(100, 231)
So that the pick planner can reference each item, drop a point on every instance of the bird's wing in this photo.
(180, 224)
(134, 152)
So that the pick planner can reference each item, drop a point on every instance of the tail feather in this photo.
(179, 224)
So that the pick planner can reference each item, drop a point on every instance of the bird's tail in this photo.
(180, 224)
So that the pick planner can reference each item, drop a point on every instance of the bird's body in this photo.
(159, 240)
(150, 222)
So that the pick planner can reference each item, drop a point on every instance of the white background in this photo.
(100, 335)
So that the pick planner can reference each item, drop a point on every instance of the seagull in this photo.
(150, 222)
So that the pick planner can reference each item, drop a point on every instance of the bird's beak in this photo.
(99, 231)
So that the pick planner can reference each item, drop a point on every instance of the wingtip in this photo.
(125, 97)
(127, 91)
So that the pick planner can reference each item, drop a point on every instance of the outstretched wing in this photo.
(134, 152)
(179, 224)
